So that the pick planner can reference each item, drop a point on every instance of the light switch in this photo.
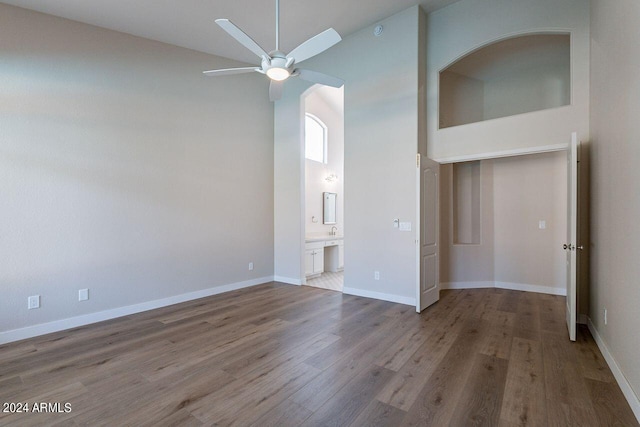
(542, 224)
(83, 294)
(405, 226)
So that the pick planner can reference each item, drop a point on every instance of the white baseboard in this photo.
(87, 319)
(505, 285)
(379, 295)
(467, 285)
(287, 280)
(531, 288)
(626, 388)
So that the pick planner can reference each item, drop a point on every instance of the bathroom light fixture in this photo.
(332, 178)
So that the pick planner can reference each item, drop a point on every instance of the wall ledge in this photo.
(87, 319)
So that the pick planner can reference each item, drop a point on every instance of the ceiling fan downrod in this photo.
(277, 24)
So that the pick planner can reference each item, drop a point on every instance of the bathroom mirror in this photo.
(329, 216)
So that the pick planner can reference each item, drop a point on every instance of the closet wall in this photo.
(515, 250)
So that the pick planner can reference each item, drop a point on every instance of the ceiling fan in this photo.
(278, 66)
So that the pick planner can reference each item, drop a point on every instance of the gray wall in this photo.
(527, 189)
(466, 25)
(615, 174)
(124, 170)
(381, 142)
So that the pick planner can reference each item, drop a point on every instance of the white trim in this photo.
(287, 280)
(87, 319)
(505, 285)
(626, 388)
(532, 288)
(504, 153)
(379, 295)
(419, 190)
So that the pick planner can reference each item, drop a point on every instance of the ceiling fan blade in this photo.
(315, 45)
(323, 79)
(241, 37)
(229, 71)
(275, 90)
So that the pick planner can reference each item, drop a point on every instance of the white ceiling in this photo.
(190, 23)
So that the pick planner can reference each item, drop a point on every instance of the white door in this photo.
(428, 291)
(570, 246)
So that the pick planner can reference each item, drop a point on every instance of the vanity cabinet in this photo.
(314, 258)
(334, 255)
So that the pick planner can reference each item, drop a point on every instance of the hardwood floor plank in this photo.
(560, 414)
(524, 402)
(288, 352)
(243, 402)
(346, 405)
(437, 401)
(610, 406)
(281, 355)
(404, 388)
(563, 381)
(509, 301)
(591, 362)
(527, 321)
(500, 336)
(347, 365)
(286, 414)
(378, 414)
(552, 313)
(397, 355)
(481, 399)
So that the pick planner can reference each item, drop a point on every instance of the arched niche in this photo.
(512, 76)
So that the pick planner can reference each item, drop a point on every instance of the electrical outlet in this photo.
(250, 266)
(83, 294)
(542, 224)
(33, 302)
(376, 275)
(605, 316)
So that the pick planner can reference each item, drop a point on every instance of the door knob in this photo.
(581, 247)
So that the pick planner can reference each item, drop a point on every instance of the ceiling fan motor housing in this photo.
(277, 66)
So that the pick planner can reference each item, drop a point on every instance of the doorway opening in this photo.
(323, 209)
(504, 222)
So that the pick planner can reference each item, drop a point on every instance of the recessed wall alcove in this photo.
(513, 76)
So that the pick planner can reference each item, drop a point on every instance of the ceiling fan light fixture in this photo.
(278, 74)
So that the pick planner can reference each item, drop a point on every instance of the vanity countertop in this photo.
(324, 237)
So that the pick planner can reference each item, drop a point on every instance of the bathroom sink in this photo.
(320, 238)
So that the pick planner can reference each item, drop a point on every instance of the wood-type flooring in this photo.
(281, 355)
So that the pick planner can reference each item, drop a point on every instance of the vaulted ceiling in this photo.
(190, 23)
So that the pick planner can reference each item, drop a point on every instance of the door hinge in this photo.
(418, 160)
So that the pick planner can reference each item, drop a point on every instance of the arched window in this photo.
(315, 139)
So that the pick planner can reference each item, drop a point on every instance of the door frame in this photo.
(466, 158)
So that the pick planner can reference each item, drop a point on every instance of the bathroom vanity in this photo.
(323, 253)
